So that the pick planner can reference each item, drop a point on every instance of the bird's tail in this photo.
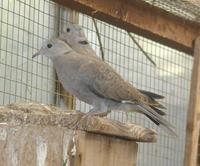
(152, 97)
(157, 119)
(151, 94)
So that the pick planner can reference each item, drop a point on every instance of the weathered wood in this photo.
(193, 2)
(98, 150)
(57, 146)
(39, 114)
(193, 124)
(141, 18)
(114, 128)
(31, 145)
(36, 134)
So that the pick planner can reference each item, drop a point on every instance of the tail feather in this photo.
(157, 104)
(151, 94)
(157, 119)
(154, 121)
(160, 112)
(151, 97)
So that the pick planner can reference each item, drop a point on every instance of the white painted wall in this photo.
(24, 25)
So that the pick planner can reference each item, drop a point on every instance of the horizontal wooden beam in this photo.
(193, 2)
(40, 114)
(141, 18)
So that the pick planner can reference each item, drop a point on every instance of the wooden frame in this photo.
(141, 18)
(193, 123)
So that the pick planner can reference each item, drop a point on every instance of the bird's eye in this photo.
(68, 29)
(49, 45)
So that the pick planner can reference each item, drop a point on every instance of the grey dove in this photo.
(75, 37)
(96, 83)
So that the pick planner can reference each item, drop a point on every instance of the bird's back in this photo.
(80, 70)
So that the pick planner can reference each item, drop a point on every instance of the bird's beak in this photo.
(36, 54)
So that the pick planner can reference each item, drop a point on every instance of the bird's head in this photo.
(53, 48)
(73, 34)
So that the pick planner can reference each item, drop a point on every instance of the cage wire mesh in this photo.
(188, 9)
(26, 24)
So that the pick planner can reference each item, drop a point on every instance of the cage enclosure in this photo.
(167, 31)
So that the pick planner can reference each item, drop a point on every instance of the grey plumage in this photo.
(74, 36)
(96, 83)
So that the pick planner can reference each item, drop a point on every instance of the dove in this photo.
(75, 37)
(96, 83)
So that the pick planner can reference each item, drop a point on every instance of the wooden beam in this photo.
(192, 135)
(40, 114)
(193, 2)
(141, 18)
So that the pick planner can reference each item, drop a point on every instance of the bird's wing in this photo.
(105, 82)
(101, 78)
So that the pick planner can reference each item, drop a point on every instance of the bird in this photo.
(75, 37)
(98, 84)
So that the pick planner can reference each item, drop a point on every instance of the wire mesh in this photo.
(188, 9)
(171, 78)
(26, 24)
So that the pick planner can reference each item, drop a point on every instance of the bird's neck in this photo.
(67, 51)
(64, 52)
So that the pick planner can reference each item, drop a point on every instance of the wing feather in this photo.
(107, 83)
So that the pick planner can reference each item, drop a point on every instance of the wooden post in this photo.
(99, 150)
(36, 134)
(68, 99)
(193, 125)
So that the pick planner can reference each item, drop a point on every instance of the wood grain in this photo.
(98, 150)
(193, 124)
(39, 114)
(141, 18)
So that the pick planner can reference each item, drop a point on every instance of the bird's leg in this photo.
(100, 109)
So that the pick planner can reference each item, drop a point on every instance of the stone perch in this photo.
(39, 135)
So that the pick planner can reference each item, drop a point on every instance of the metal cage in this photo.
(26, 24)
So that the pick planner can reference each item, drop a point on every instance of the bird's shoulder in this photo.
(107, 82)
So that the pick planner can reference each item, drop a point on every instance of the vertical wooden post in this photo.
(68, 99)
(99, 150)
(192, 135)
